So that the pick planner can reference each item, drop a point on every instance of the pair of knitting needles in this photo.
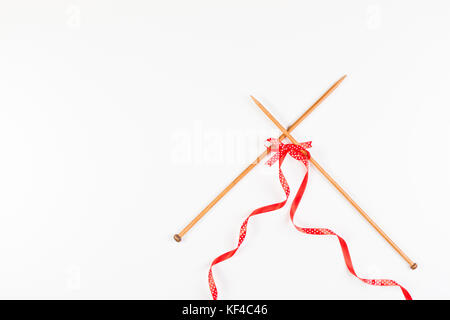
(286, 133)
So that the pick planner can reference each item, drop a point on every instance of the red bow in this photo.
(300, 153)
(297, 152)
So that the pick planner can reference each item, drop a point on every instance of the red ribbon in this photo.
(300, 153)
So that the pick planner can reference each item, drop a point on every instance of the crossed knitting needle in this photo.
(338, 187)
(180, 235)
(286, 133)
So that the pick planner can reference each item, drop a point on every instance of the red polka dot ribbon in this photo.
(299, 153)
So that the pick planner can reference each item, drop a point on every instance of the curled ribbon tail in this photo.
(343, 244)
(299, 153)
(279, 156)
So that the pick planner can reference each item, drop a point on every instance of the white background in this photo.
(120, 120)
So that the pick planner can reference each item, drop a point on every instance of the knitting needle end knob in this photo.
(414, 266)
(178, 238)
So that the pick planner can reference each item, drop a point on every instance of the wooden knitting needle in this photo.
(338, 187)
(179, 236)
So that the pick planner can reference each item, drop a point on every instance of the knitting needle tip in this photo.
(335, 85)
(342, 78)
(255, 100)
